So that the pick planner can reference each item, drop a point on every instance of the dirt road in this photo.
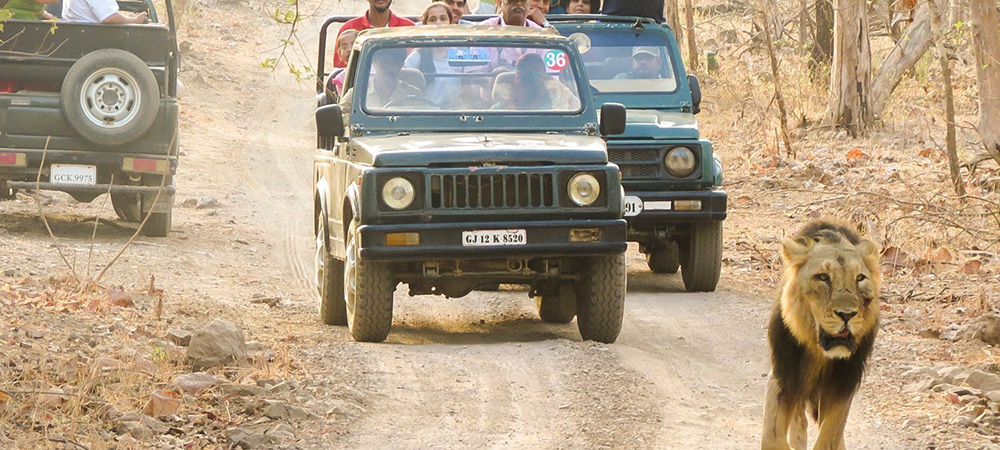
(688, 371)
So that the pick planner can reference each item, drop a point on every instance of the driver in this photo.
(385, 85)
(645, 65)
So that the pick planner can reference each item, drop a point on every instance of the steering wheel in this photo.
(411, 98)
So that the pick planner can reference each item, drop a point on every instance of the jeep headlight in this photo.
(680, 162)
(583, 189)
(398, 193)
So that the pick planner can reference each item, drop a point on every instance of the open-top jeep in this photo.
(481, 166)
(673, 201)
(90, 109)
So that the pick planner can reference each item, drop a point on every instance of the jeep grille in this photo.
(636, 163)
(492, 191)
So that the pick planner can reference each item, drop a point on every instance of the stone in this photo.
(33, 334)
(947, 374)
(983, 381)
(993, 396)
(9, 272)
(242, 390)
(281, 432)
(206, 202)
(963, 421)
(219, 343)
(920, 372)
(279, 410)
(985, 328)
(179, 337)
(920, 386)
(196, 383)
(245, 439)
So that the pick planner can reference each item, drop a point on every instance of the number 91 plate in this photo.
(489, 238)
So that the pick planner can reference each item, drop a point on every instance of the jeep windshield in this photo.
(621, 61)
(482, 79)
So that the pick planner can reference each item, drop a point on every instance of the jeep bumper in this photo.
(446, 240)
(21, 166)
(664, 207)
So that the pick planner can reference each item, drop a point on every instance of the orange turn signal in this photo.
(401, 239)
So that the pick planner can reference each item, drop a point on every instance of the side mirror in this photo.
(329, 121)
(695, 94)
(612, 119)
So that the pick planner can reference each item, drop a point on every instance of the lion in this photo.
(821, 334)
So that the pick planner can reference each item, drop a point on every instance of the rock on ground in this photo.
(219, 343)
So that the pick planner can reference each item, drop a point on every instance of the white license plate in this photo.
(487, 238)
(633, 206)
(73, 174)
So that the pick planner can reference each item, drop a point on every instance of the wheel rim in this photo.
(320, 256)
(351, 275)
(110, 98)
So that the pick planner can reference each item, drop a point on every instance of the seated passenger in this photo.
(97, 11)
(386, 85)
(645, 65)
(581, 6)
(335, 81)
(29, 9)
(527, 90)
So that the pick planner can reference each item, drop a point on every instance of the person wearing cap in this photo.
(512, 12)
(378, 16)
(645, 65)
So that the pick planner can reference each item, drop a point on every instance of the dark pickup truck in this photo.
(90, 109)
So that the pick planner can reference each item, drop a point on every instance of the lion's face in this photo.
(830, 299)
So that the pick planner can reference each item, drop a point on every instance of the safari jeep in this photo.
(90, 109)
(673, 201)
(484, 168)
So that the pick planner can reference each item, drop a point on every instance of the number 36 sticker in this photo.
(555, 60)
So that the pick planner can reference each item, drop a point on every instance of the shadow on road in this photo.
(492, 332)
(655, 283)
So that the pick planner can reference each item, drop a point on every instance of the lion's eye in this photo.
(861, 277)
(822, 277)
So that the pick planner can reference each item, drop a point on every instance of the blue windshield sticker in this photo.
(468, 55)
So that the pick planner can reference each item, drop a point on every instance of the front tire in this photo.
(368, 289)
(600, 298)
(329, 279)
(665, 259)
(702, 262)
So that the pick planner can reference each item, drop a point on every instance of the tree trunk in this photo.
(949, 100)
(850, 80)
(804, 25)
(672, 15)
(986, 46)
(692, 45)
(782, 112)
(822, 48)
(907, 52)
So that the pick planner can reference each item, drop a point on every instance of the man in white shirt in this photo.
(97, 11)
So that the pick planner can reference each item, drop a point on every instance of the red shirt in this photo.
(362, 23)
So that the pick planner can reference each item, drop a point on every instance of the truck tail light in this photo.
(13, 159)
(146, 165)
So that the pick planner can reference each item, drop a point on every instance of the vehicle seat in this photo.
(414, 78)
(502, 87)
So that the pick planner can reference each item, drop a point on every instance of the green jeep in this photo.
(673, 201)
(482, 165)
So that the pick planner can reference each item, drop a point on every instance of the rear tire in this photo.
(702, 262)
(559, 307)
(600, 298)
(158, 224)
(7, 192)
(368, 289)
(329, 279)
(127, 206)
(665, 259)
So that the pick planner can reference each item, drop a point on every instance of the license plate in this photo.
(487, 238)
(633, 206)
(73, 174)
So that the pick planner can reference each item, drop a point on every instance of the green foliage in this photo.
(159, 355)
(285, 15)
(4, 15)
(269, 63)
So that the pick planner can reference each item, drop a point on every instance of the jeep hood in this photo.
(653, 124)
(422, 150)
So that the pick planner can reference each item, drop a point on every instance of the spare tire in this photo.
(110, 97)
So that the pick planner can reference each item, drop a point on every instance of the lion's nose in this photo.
(847, 315)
